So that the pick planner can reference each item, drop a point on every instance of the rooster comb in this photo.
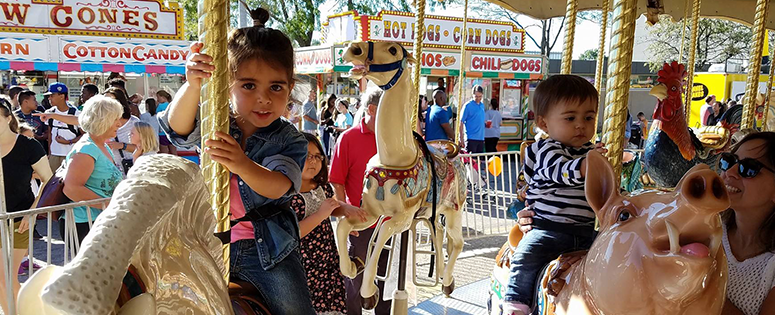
(672, 71)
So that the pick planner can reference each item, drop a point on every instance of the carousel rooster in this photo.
(672, 147)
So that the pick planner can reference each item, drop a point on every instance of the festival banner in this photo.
(341, 28)
(117, 51)
(507, 64)
(21, 47)
(446, 32)
(115, 18)
(314, 60)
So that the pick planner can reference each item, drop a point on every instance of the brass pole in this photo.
(462, 75)
(755, 65)
(683, 31)
(617, 89)
(418, 38)
(601, 55)
(692, 55)
(769, 86)
(213, 31)
(570, 32)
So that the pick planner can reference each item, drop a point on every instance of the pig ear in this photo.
(600, 184)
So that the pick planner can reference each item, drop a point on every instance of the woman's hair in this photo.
(258, 42)
(120, 96)
(164, 94)
(767, 151)
(322, 177)
(331, 97)
(150, 106)
(494, 104)
(24, 127)
(99, 114)
(420, 112)
(5, 110)
(149, 139)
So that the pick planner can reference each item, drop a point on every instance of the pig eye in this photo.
(624, 216)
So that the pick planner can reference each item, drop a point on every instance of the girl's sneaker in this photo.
(25, 267)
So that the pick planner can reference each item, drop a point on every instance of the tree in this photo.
(718, 41)
(590, 54)
(298, 19)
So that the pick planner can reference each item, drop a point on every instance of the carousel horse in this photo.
(657, 252)
(406, 179)
(159, 226)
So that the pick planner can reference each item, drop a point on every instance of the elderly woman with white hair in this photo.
(91, 173)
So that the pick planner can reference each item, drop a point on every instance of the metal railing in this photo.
(54, 244)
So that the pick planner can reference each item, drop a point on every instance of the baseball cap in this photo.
(56, 87)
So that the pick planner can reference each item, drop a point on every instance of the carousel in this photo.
(157, 254)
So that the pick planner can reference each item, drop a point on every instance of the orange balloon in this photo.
(495, 165)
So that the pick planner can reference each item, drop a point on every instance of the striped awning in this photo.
(89, 67)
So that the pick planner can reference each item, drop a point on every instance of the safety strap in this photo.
(434, 180)
(250, 216)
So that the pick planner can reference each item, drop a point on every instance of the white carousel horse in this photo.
(160, 222)
(398, 179)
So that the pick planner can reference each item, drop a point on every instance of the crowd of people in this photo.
(289, 176)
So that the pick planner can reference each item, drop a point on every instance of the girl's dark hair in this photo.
(494, 104)
(164, 94)
(5, 110)
(767, 150)
(260, 43)
(322, 177)
(420, 112)
(150, 106)
(331, 97)
(120, 96)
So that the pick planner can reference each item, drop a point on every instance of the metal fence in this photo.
(46, 245)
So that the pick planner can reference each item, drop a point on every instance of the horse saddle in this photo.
(448, 147)
(245, 299)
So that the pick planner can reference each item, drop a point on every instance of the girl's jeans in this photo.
(283, 288)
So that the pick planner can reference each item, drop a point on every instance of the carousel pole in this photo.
(462, 74)
(213, 31)
(419, 32)
(755, 65)
(692, 55)
(769, 88)
(601, 55)
(617, 89)
(570, 33)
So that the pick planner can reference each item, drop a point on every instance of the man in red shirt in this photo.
(355, 148)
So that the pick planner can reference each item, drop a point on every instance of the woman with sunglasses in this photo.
(749, 225)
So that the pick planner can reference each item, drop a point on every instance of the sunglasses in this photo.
(748, 167)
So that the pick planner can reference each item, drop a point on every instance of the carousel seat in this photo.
(239, 287)
(448, 147)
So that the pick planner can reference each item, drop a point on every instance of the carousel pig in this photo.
(657, 252)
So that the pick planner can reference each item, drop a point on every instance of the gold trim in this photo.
(570, 34)
(462, 81)
(754, 70)
(692, 54)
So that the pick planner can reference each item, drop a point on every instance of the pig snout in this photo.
(704, 190)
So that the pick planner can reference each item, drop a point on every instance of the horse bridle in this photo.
(399, 65)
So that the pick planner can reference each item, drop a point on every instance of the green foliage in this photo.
(717, 42)
(590, 54)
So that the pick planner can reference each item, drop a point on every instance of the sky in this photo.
(587, 33)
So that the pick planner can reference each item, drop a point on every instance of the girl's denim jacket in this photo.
(280, 148)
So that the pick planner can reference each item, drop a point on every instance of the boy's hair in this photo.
(564, 87)
(322, 177)
(260, 43)
(641, 114)
(150, 106)
(91, 88)
(149, 139)
(477, 88)
(24, 95)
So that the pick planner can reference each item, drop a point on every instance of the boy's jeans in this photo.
(536, 249)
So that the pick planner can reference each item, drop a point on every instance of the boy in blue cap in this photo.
(61, 135)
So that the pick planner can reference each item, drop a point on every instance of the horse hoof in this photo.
(359, 265)
(371, 302)
(447, 289)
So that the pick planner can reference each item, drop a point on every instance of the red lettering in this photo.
(164, 54)
(105, 15)
(387, 28)
(403, 30)
(174, 55)
(113, 52)
(151, 54)
(456, 35)
(523, 64)
(150, 19)
(5, 48)
(66, 50)
(184, 54)
(82, 51)
(129, 18)
(476, 63)
(125, 53)
(82, 15)
(538, 65)
(438, 60)
(396, 30)
(55, 16)
(22, 49)
(136, 53)
(15, 13)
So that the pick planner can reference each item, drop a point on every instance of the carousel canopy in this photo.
(742, 11)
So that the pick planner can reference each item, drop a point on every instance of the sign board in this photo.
(341, 28)
(314, 59)
(123, 51)
(21, 47)
(118, 18)
(440, 60)
(506, 63)
(446, 32)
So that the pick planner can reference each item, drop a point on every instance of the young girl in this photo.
(344, 119)
(313, 208)
(264, 153)
(145, 140)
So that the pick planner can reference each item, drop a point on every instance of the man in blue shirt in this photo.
(473, 121)
(309, 114)
(437, 122)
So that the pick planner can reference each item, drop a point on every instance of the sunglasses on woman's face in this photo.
(748, 167)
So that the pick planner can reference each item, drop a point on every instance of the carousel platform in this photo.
(468, 299)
